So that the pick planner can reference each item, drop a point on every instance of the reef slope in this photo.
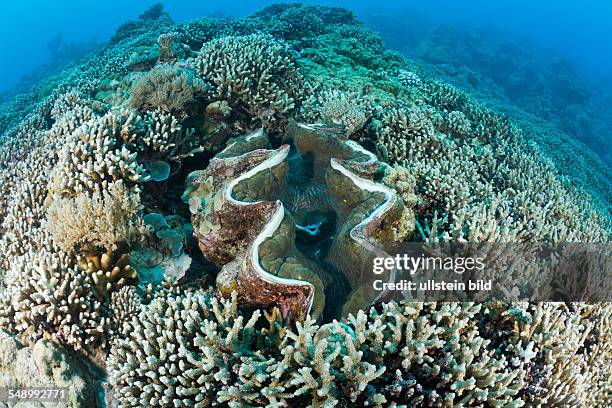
(157, 248)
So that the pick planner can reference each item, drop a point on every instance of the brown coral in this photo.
(105, 219)
(168, 89)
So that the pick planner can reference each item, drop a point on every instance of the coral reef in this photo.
(254, 73)
(167, 89)
(56, 300)
(352, 110)
(187, 218)
(104, 219)
(557, 106)
(460, 354)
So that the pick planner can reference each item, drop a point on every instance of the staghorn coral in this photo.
(400, 179)
(44, 292)
(572, 346)
(255, 73)
(48, 295)
(409, 78)
(68, 146)
(519, 79)
(25, 181)
(394, 354)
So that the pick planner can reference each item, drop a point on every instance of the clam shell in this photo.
(243, 226)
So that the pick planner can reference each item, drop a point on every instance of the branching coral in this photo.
(124, 303)
(103, 220)
(409, 78)
(213, 358)
(107, 272)
(568, 351)
(349, 109)
(82, 154)
(254, 72)
(470, 180)
(179, 367)
(395, 354)
(55, 299)
(47, 294)
(93, 154)
(196, 33)
(157, 135)
(168, 49)
(291, 21)
(168, 89)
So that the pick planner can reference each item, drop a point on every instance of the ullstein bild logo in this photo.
(431, 284)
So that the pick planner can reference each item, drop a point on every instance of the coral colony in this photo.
(184, 214)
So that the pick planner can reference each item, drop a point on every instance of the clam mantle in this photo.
(296, 227)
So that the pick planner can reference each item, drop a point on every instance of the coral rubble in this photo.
(187, 218)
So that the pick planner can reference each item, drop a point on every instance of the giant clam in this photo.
(296, 227)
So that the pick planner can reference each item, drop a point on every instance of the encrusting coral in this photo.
(98, 261)
(44, 363)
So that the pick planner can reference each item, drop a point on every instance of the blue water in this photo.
(580, 30)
